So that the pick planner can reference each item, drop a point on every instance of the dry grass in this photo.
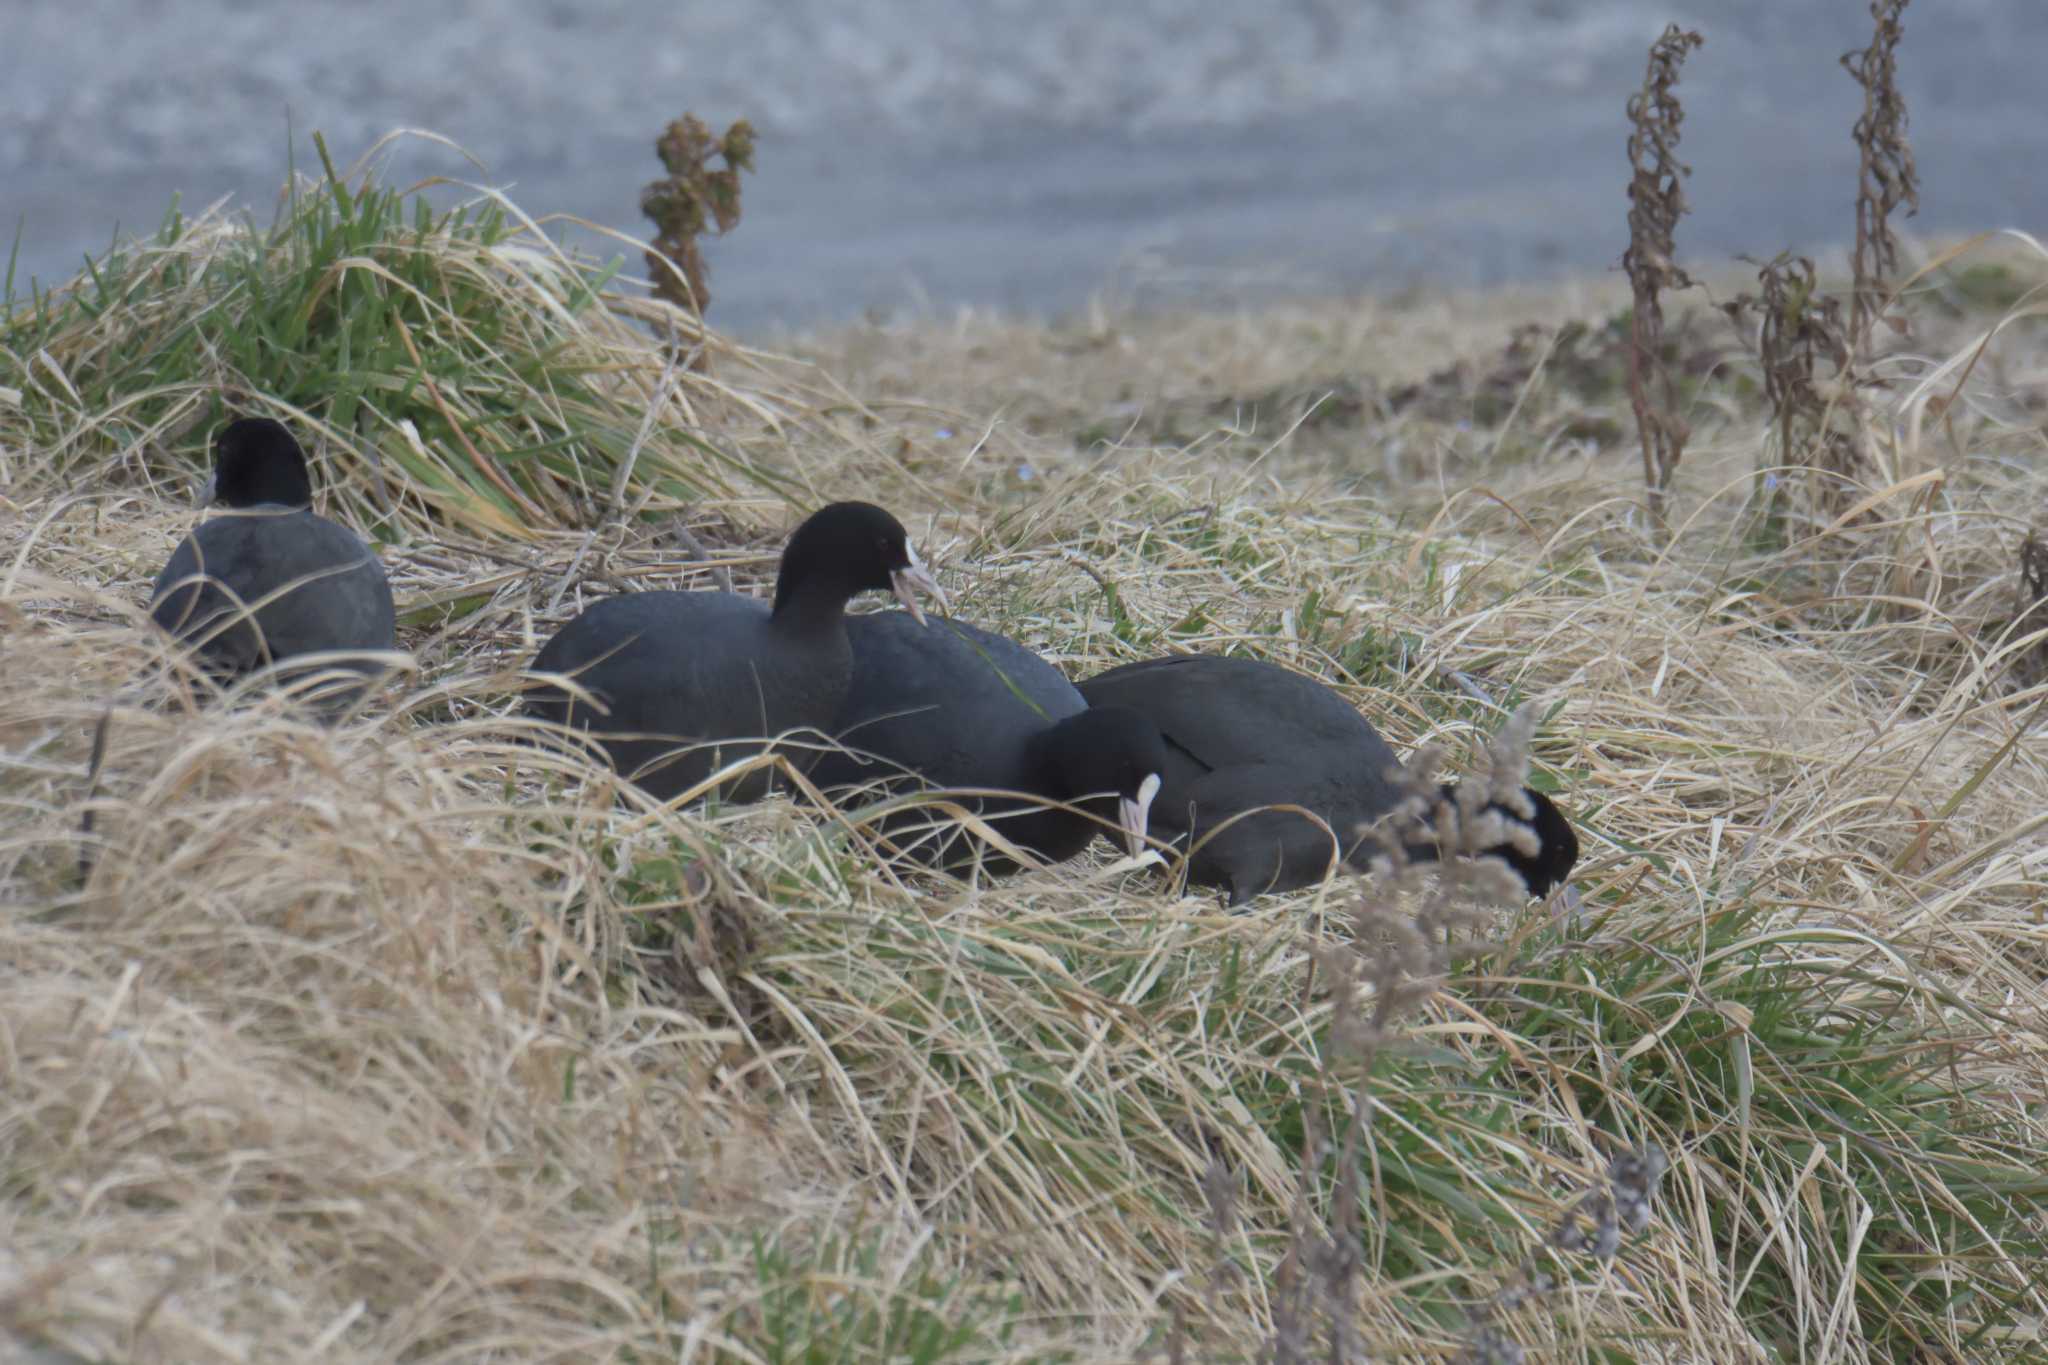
(402, 1039)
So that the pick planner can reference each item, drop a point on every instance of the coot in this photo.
(1242, 733)
(270, 581)
(684, 682)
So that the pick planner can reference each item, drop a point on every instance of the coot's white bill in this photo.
(1134, 815)
(912, 579)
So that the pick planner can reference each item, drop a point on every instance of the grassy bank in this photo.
(405, 1039)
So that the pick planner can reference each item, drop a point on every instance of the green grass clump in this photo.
(844, 1300)
(458, 366)
(1809, 1076)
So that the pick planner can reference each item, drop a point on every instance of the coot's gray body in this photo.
(639, 653)
(268, 581)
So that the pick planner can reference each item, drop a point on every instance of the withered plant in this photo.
(1886, 177)
(1656, 198)
(1403, 949)
(1594, 1224)
(691, 200)
(2031, 667)
(1798, 327)
(1825, 426)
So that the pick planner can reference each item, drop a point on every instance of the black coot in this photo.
(1242, 733)
(269, 580)
(686, 681)
(956, 707)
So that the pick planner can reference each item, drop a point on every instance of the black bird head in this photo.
(846, 548)
(256, 463)
(1112, 749)
(1558, 846)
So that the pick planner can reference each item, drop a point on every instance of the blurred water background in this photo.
(1027, 155)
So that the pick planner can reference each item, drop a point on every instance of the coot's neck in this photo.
(812, 611)
(1045, 774)
(1050, 758)
(1425, 850)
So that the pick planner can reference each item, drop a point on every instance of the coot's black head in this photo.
(256, 461)
(1111, 749)
(1558, 851)
(848, 548)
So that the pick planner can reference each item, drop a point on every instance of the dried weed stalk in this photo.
(1656, 196)
(2031, 667)
(1406, 927)
(692, 200)
(1886, 178)
(1594, 1223)
(1798, 326)
(1402, 958)
(1825, 425)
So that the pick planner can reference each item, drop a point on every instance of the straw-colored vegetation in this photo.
(403, 1039)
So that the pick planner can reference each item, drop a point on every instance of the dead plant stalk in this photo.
(1656, 197)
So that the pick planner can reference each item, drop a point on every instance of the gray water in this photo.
(917, 156)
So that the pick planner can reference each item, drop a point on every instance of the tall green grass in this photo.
(459, 366)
